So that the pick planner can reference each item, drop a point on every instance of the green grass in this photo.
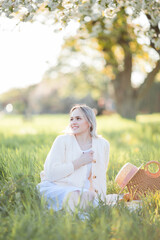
(24, 145)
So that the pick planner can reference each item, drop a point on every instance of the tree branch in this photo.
(144, 88)
(157, 32)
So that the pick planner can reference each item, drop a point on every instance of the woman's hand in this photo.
(84, 159)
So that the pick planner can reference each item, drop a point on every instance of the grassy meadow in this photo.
(24, 145)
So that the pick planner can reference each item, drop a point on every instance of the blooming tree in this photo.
(85, 10)
(111, 23)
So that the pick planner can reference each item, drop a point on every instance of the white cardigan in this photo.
(59, 168)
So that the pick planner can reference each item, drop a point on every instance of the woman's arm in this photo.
(55, 167)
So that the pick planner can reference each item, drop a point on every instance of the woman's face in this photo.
(78, 122)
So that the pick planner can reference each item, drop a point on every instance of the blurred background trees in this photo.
(112, 63)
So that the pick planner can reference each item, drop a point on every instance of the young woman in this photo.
(75, 168)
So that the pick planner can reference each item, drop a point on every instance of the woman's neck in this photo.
(84, 140)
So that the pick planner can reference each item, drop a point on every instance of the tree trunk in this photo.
(127, 107)
(125, 94)
(128, 98)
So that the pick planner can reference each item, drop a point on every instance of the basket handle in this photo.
(153, 175)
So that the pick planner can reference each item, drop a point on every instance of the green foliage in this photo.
(18, 194)
(24, 147)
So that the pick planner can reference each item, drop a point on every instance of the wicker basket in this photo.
(144, 182)
(126, 173)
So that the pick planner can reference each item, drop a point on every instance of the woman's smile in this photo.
(75, 127)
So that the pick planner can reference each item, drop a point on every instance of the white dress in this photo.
(56, 194)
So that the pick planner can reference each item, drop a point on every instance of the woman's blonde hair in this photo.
(90, 116)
